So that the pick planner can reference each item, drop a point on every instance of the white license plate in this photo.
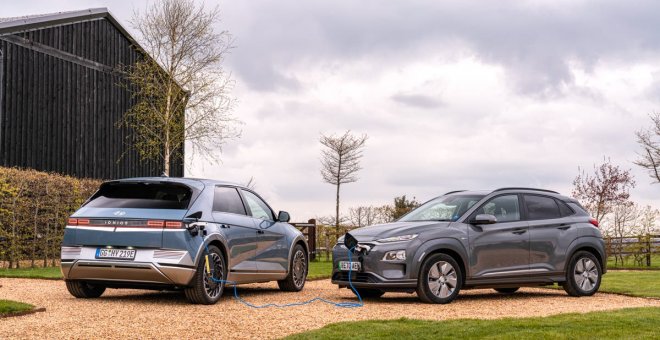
(352, 266)
(122, 254)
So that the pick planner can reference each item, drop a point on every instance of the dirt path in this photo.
(146, 314)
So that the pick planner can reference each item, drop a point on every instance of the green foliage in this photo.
(8, 307)
(633, 323)
(34, 207)
(319, 270)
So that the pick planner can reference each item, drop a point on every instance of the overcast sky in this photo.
(453, 94)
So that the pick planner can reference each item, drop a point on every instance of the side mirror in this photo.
(283, 216)
(484, 219)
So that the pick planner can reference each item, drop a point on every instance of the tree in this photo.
(365, 216)
(624, 220)
(401, 207)
(650, 156)
(607, 187)
(340, 161)
(181, 92)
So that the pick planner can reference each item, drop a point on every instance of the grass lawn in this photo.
(319, 270)
(634, 282)
(634, 323)
(8, 307)
(629, 263)
(33, 273)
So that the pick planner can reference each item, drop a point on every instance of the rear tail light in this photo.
(156, 224)
(173, 225)
(594, 222)
(83, 221)
(72, 221)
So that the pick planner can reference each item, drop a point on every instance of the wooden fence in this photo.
(309, 230)
(641, 248)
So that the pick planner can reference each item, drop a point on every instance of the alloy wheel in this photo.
(585, 274)
(212, 286)
(299, 268)
(442, 279)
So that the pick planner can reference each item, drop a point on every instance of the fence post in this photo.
(648, 250)
(311, 239)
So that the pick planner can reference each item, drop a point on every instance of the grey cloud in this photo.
(533, 42)
(417, 100)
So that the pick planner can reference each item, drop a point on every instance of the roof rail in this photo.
(453, 192)
(523, 188)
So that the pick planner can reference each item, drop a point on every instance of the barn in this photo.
(61, 96)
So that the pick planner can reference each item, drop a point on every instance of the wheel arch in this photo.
(299, 239)
(451, 247)
(593, 245)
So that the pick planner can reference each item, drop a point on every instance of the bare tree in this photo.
(607, 187)
(650, 156)
(340, 161)
(365, 216)
(182, 93)
(624, 220)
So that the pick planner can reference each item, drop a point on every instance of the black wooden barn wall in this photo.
(60, 99)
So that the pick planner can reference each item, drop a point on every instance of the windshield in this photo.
(445, 208)
(142, 195)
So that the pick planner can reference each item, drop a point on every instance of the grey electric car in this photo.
(178, 233)
(504, 239)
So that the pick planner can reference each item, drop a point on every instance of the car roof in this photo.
(517, 190)
(198, 183)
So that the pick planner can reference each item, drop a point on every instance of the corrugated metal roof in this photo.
(25, 18)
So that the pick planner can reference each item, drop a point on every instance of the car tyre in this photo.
(368, 293)
(299, 264)
(507, 290)
(440, 279)
(84, 290)
(584, 274)
(203, 289)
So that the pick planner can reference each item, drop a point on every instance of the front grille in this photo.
(355, 277)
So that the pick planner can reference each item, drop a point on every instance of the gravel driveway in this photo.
(147, 314)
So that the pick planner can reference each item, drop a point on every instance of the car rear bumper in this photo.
(150, 266)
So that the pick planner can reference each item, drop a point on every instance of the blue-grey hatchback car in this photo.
(179, 233)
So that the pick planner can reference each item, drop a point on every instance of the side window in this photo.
(564, 209)
(541, 208)
(228, 200)
(504, 208)
(258, 207)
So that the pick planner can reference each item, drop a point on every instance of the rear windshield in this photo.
(142, 196)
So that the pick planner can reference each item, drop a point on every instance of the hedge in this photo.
(34, 207)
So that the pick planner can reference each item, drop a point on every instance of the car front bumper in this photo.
(375, 273)
(150, 266)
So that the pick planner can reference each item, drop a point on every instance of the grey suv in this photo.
(504, 239)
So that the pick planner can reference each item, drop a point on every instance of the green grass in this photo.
(33, 273)
(629, 263)
(319, 270)
(8, 307)
(634, 323)
(637, 283)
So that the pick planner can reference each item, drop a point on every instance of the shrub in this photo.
(34, 207)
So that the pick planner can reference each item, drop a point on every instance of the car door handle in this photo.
(225, 226)
(564, 226)
(519, 231)
(260, 231)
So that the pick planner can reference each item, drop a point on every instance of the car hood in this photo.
(379, 231)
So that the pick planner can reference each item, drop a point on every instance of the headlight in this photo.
(398, 238)
(395, 255)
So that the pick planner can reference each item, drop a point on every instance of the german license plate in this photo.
(121, 254)
(352, 266)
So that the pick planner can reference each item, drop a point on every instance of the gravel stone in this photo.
(147, 314)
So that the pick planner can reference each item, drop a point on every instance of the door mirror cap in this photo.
(283, 216)
(484, 219)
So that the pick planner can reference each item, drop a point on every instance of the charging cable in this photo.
(268, 305)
